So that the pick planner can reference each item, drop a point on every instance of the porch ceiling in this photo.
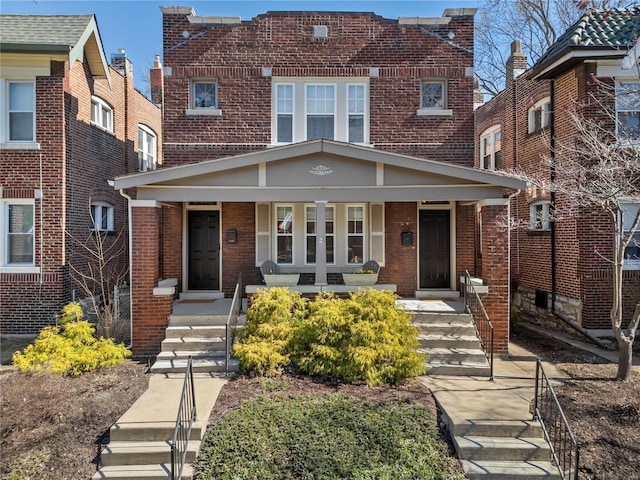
(318, 170)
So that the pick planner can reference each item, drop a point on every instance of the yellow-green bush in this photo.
(263, 345)
(69, 348)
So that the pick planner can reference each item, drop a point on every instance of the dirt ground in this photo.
(52, 424)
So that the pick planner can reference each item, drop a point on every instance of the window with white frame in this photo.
(204, 94)
(311, 231)
(632, 252)
(307, 109)
(540, 115)
(540, 216)
(18, 103)
(17, 232)
(284, 234)
(628, 111)
(102, 216)
(101, 114)
(355, 234)
(147, 149)
(490, 148)
(433, 98)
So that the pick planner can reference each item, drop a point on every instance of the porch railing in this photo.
(232, 321)
(564, 447)
(184, 422)
(484, 328)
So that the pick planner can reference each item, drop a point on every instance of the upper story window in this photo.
(102, 216)
(490, 148)
(540, 216)
(632, 252)
(203, 98)
(628, 111)
(433, 98)
(308, 109)
(147, 149)
(101, 114)
(18, 103)
(540, 115)
(17, 239)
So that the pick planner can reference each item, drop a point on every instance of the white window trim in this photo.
(110, 214)
(5, 142)
(629, 211)
(142, 147)
(623, 138)
(363, 234)
(489, 133)
(203, 111)
(335, 104)
(292, 234)
(277, 112)
(546, 216)
(307, 235)
(103, 106)
(364, 113)
(543, 106)
(5, 266)
(435, 111)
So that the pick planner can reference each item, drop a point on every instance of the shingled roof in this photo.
(601, 33)
(74, 35)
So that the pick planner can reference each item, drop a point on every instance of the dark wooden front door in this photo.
(204, 250)
(435, 249)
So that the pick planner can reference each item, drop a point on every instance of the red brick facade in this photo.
(71, 168)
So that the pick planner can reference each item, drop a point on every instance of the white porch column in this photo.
(321, 244)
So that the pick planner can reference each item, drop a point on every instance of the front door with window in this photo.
(204, 250)
(435, 249)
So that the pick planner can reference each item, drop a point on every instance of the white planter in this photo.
(360, 278)
(282, 280)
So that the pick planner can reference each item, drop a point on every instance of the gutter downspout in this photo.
(510, 197)
(554, 283)
(121, 191)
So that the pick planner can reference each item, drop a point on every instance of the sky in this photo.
(136, 26)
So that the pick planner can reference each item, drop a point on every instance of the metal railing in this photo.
(232, 321)
(184, 422)
(484, 328)
(564, 447)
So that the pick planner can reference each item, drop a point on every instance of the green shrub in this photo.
(69, 348)
(263, 345)
(363, 338)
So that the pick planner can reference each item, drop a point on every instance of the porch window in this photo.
(490, 148)
(540, 115)
(310, 234)
(540, 216)
(17, 229)
(355, 234)
(628, 111)
(101, 114)
(284, 234)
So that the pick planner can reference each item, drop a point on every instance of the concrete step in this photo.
(455, 356)
(141, 472)
(143, 453)
(499, 428)
(463, 370)
(185, 354)
(448, 341)
(452, 328)
(434, 317)
(505, 470)
(153, 432)
(502, 448)
(196, 331)
(190, 320)
(193, 343)
(200, 365)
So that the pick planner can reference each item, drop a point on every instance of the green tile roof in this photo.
(608, 29)
(44, 32)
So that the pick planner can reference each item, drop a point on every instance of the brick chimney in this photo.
(121, 63)
(516, 64)
(157, 82)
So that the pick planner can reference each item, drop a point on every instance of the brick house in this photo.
(70, 123)
(318, 141)
(556, 271)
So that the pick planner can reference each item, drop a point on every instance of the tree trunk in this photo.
(625, 358)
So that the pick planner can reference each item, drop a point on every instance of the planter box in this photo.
(360, 278)
(282, 280)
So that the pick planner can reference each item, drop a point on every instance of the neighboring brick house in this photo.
(317, 140)
(70, 123)
(558, 269)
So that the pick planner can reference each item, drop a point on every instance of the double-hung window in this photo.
(284, 234)
(540, 216)
(17, 229)
(540, 115)
(19, 109)
(355, 234)
(147, 149)
(308, 109)
(311, 231)
(102, 216)
(632, 252)
(490, 148)
(101, 114)
(628, 111)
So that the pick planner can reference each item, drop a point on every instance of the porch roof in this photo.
(318, 170)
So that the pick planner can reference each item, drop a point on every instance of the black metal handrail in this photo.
(184, 422)
(564, 447)
(232, 321)
(484, 327)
